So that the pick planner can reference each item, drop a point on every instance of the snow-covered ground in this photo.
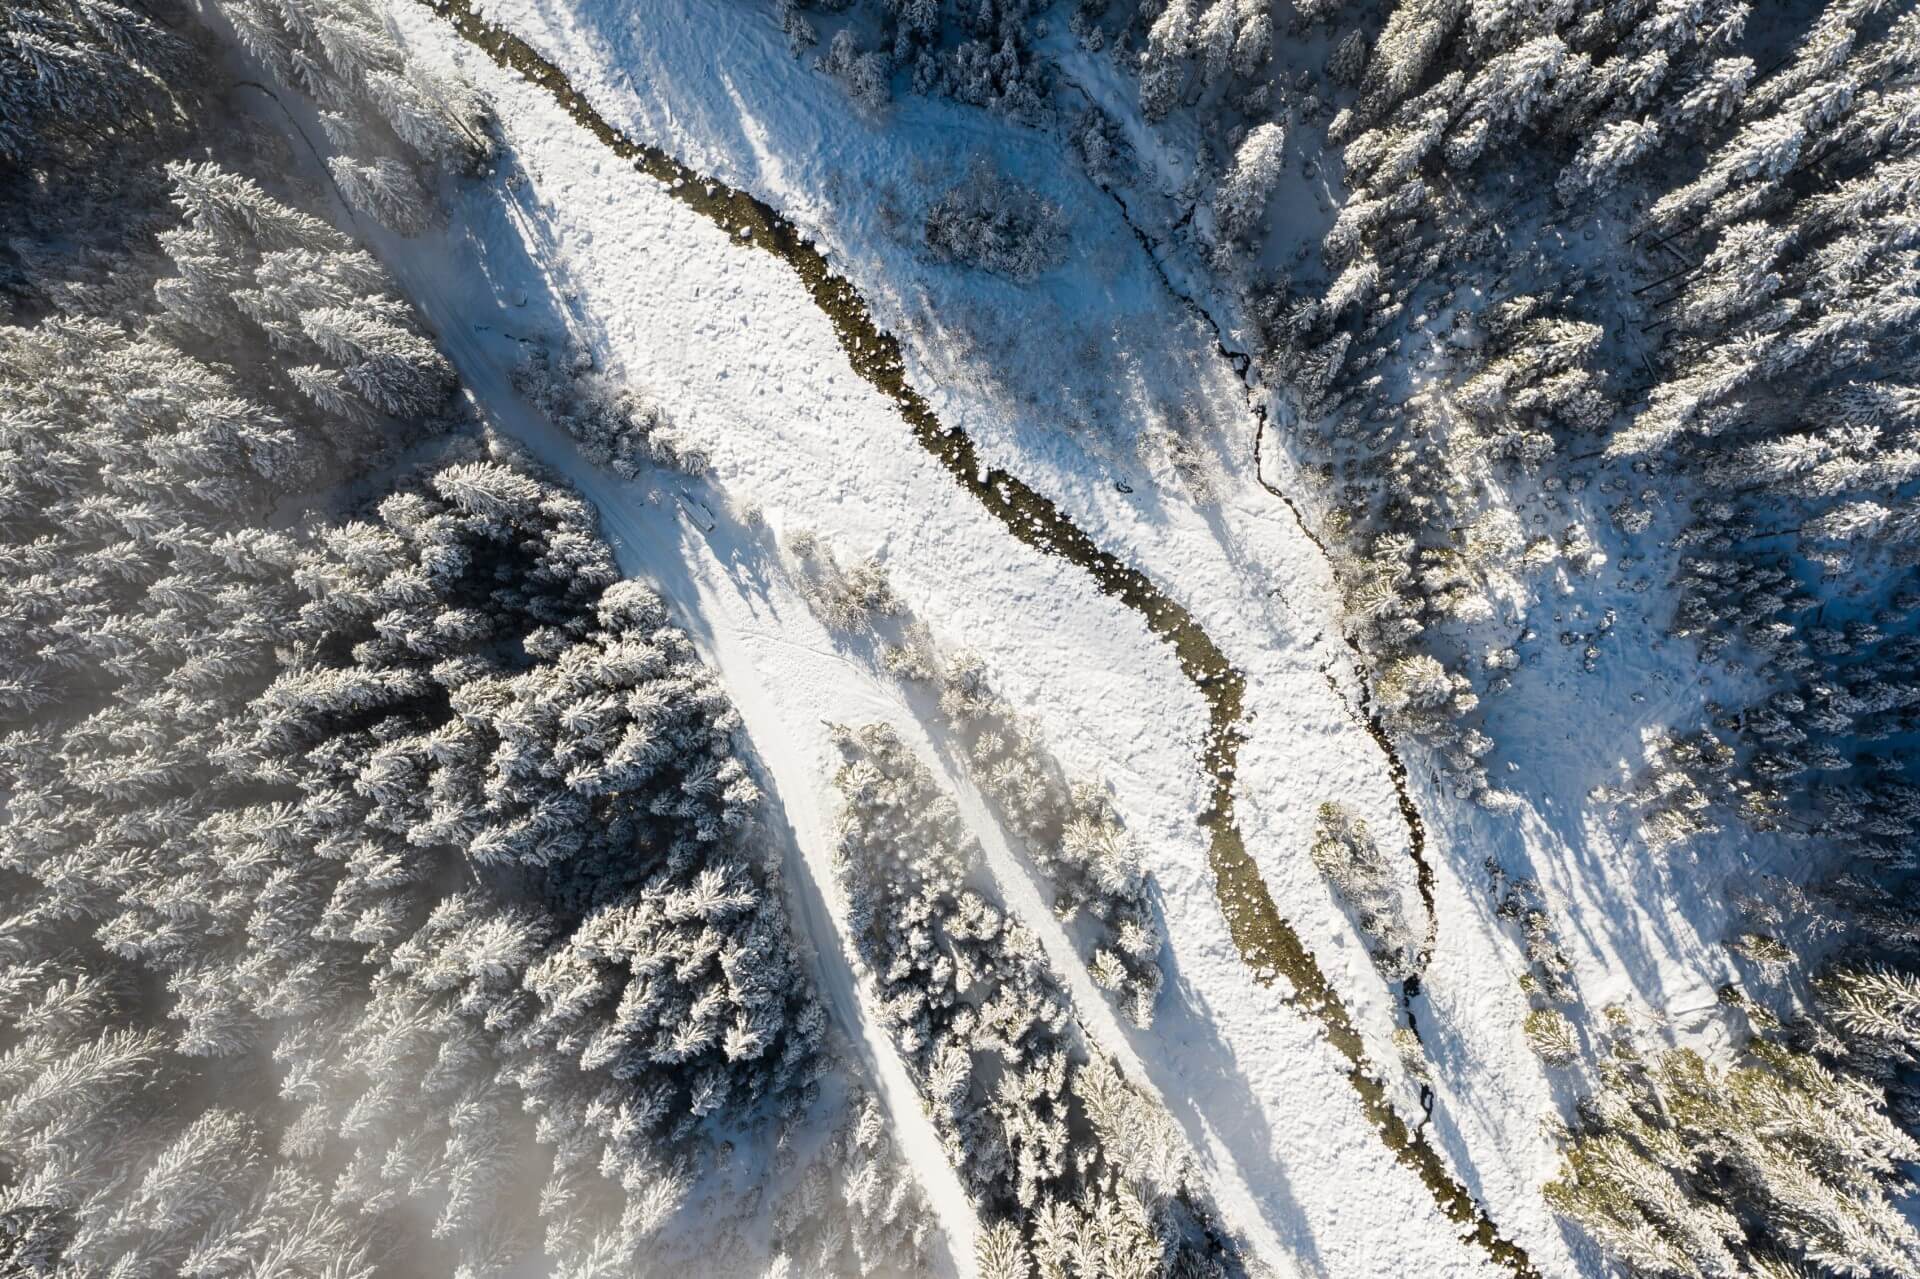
(1057, 382)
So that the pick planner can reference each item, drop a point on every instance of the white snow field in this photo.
(1058, 382)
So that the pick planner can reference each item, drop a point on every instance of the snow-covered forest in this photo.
(1036, 639)
(385, 892)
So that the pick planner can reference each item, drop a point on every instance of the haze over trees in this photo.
(424, 821)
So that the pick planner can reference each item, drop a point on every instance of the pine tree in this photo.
(1241, 200)
(387, 190)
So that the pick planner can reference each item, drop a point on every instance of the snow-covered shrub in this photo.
(613, 425)
(1581, 551)
(991, 222)
(851, 600)
(1102, 148)
(1521, 903)
(1766, 953)
(1412, 1054)
(1551, 1035)
(1361, 879)
(1417, 692)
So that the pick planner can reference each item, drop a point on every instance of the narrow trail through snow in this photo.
(1266, 941)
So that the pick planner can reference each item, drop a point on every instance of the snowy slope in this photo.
(1237, 1063)
(1032, 373)
(1059, 383)
(756, 374)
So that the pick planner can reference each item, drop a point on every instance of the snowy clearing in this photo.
(1235, 1061)
(758, 379)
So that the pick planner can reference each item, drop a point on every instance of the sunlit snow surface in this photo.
(1056, 381)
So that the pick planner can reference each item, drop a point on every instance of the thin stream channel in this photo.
(1266, 942)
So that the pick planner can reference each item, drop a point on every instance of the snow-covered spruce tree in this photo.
(626, 979)
(1521, 903)
(1070, 1167)
(1241, 199)
(114, 441)
(864, 73)
(1071, 832)
(94, 97)
(1868, 1024)
(587, 784)
(1787, 399)
(134, 525)
(1435, 264)
(1818, 270)
(1197, 49)
(1765, 256)
(982, 54)
(387, 189)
